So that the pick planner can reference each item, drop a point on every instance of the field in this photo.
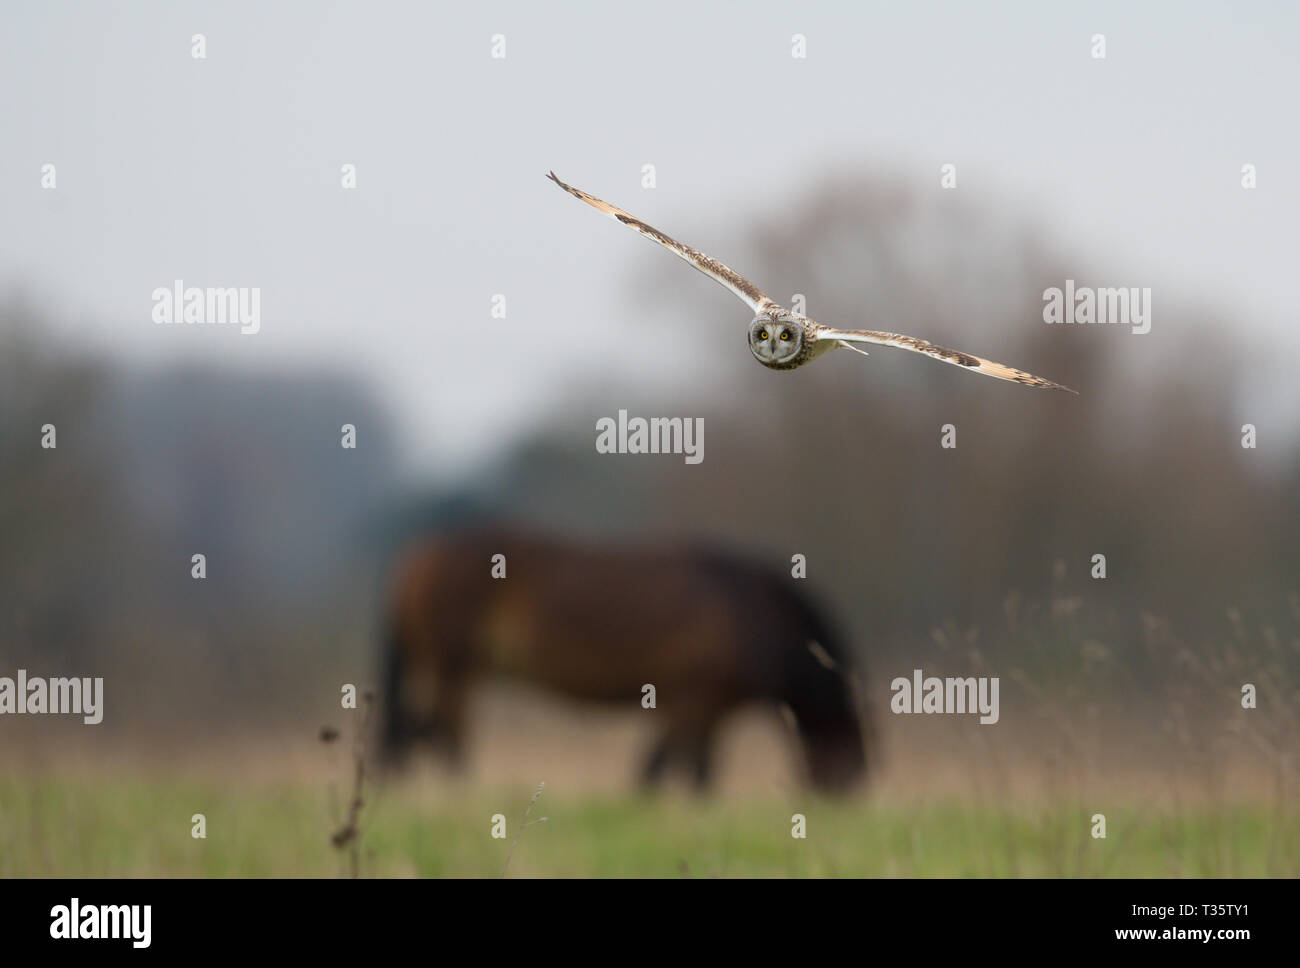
(939, 804)
(136, 827)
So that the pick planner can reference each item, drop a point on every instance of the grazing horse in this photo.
(710, 632)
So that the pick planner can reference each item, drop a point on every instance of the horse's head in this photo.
(832, 740)
(836, 761)
(818, 691)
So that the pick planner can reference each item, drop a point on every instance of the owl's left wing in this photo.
(752, 296)
(973, 363)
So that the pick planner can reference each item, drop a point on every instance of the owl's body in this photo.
(782, 340)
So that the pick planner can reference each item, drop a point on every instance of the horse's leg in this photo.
(652, 773)
(447, 723)
(699, 759)
(687, 742)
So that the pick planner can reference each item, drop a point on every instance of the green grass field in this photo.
(128, 827)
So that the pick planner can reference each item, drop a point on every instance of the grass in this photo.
(141, 827)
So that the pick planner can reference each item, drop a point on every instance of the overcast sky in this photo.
(225, 171)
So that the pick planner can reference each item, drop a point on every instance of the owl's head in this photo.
(775, 342)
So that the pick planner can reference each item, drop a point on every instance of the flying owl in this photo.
(783, 340)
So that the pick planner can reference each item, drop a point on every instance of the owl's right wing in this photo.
(975, 364)
(749, 293)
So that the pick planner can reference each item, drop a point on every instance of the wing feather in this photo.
(973, 363)
(749, 293)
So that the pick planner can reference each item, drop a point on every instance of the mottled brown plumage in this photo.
(803, 339)
(711, 267)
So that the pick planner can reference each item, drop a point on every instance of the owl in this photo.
(785, 340)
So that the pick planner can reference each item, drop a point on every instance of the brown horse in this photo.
(709, 631)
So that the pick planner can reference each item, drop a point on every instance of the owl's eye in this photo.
(785, 335)
(762, 334)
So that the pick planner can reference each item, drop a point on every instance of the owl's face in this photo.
(775, 342)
